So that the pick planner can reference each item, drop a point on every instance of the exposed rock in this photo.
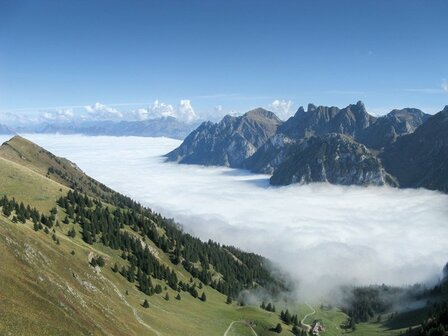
(333, 158)
(420, 159)
(323, 120)
(229, 142)
(387, 129)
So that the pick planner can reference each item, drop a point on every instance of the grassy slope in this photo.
(28, 186)
(48, 291)
(29, 155)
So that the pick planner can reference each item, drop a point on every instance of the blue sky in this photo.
(233, 54)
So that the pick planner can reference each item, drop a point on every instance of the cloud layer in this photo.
(324, 235)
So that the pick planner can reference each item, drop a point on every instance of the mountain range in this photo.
(348, 146)
(159, 127)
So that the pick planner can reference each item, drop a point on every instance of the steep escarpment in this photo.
(420, 159)
(387, 129)
(334, 158)
(229, 142)
(323, 120)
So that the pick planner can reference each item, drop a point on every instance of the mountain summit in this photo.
(229, 142)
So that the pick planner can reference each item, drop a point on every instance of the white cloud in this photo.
(158, 109)
(186, 112)
(283, 108)
(444, 85)
(324, 235)
(58, 115)
(100, 111)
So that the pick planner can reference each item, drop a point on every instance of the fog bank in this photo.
(324, 235)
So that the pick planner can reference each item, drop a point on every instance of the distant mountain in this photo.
(420, 159)
(387, 129)
(323, 120)
(333, 158)
(229, 142)
(5, 130)
(166, 126)
(340, 146)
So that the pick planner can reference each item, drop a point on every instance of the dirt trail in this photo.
(302, 322)
(233, 322)
(134, 311)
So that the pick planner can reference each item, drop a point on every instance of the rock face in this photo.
(420, 159)
(323, 120)
(269, 156)
(387, 129)
(405, 148)
(229, 142)
(334, 158)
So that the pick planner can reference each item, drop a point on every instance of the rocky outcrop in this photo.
(420, 159)
(269, 156)
(229, 142)
(387, 129)
(322, 120)
(334, 158)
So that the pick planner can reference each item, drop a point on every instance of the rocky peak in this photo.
(311, 108)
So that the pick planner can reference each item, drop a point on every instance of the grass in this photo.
(29, 187)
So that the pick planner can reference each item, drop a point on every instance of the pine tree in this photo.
(295, 330)
(167, 297)
(278, 328)
(229, 299)
(203, 297)
(178, 297)
(146, 304)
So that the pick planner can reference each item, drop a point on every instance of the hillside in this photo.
(420, 159)
(387, 129)
(55, 283)
(29, 155)
(334, 158)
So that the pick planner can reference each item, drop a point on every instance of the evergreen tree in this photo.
(229, 299)
(167, 296)
(278, 328)
(295, 330)
(203, 297)
(178, 297)
(146, 304)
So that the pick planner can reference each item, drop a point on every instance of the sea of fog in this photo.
(323, 234)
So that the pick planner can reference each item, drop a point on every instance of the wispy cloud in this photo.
(444, 85)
